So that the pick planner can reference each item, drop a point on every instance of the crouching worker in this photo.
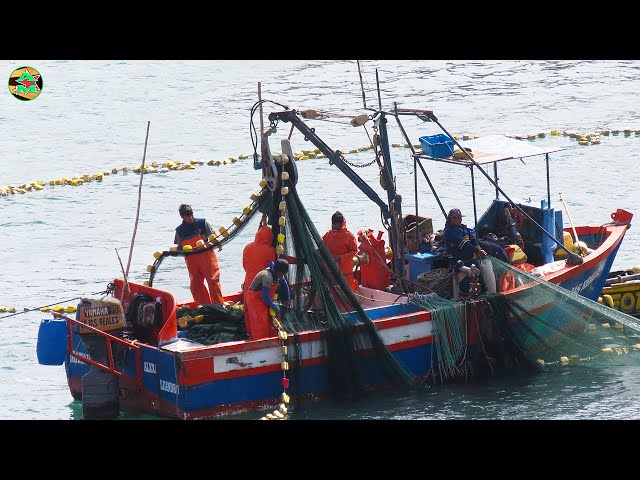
(462, 245)
(259, 299)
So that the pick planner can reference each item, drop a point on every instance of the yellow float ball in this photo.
(580, 248)
(607, 300)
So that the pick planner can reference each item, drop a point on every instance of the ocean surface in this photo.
(63, 242)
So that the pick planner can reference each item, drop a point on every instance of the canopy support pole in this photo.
(572, 258)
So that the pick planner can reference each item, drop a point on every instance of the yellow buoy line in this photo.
(52, 307)
(79, 180)
(56, 309)
(215, 239)
(281, 413)
(583, 138)
(604, 352)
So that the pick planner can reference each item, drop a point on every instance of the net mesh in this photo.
(450, 339)
(541, 324)
(322, 300)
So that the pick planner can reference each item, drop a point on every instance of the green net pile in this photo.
(218, 324)
(541, 325)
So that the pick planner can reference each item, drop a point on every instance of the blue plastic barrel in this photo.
(52, 341)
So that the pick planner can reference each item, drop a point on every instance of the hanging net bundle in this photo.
(322, 300)
(450, 339)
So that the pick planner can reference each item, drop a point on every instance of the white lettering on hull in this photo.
(82, 354)
(169, 387)
(149, 367)
(584, 284)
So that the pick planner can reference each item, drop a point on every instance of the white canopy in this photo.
(496, 148)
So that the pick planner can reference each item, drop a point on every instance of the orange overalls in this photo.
(256, 313)
(257, 255)
(203, 266)
(343, 244)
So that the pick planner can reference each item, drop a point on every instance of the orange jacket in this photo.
(342, 244)
(257, 255)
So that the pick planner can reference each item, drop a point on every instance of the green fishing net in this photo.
(449, 358)
(216, 324)
(542, 325)
(323, 301)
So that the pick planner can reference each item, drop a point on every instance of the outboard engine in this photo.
(101, 388)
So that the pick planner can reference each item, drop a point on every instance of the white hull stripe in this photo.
(310, 350)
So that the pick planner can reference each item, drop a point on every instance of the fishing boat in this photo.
(118, 358)
(621, 291)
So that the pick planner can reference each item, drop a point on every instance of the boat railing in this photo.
(109, 339)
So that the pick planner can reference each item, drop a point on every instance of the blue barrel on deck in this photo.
(52, 341)
(419, 263)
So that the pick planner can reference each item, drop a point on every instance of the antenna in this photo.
(135, 226)
(364, 99)
(261, 114)
(378, 85)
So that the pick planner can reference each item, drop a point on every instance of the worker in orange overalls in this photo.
(259, 299)
(202, 266)
(256, 256)
(342, 245)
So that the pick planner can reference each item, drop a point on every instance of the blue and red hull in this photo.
(186, 380)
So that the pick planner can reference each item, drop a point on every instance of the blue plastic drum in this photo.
(52, 341)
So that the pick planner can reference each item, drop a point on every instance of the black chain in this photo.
(355, 164)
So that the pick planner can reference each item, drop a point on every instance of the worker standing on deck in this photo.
(257, 254)
(203, 267)
(343, 246)
(259, 299)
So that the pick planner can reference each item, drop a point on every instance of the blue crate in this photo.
(437, 146)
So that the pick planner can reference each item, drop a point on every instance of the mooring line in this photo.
(27, 310)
